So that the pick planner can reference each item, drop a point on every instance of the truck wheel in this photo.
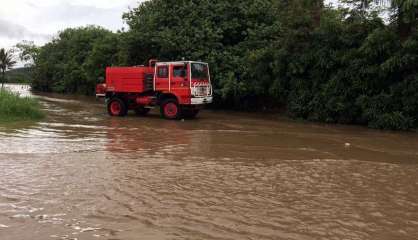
(170, 109)
(141, 111)
(117, 107)
(190, 113)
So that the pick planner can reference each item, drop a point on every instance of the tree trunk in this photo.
(317, 8)
(404, 28)
(2, 78)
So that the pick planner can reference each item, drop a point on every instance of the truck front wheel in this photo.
(170, 109)
(117, 107)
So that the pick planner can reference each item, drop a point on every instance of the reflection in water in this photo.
(83, 175)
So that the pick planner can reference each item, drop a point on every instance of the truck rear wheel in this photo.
(117, 107)
(141, 111)
(170, 109)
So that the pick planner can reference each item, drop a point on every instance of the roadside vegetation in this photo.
(13, 107)
(345, 65)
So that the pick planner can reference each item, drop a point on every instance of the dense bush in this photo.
(317, 63)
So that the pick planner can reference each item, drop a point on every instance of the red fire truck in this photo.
(180, 89)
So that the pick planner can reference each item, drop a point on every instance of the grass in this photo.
(14, 108)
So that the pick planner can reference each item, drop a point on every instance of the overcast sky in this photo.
(40, 20)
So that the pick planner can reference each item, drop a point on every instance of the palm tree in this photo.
(6, 63)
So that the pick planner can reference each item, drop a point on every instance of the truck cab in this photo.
(179, 88)
(189, 81)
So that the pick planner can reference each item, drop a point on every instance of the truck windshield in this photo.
(200, 71)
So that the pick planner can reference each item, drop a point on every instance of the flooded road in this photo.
(80, 174)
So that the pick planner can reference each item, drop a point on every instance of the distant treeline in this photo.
(18, 75)
(314, 62)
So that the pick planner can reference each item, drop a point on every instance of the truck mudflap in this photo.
(201, 100)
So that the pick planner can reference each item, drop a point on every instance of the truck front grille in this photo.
(201, 91)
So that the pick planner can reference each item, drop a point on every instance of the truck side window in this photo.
(162, 72)
(179, 71)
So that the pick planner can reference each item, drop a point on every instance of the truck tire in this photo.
(170, 109)
(141, 111)
(117, 107)
(190, 113)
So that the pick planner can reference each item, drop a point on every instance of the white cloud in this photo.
(39, 20)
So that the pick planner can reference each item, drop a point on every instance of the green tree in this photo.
(6, 63)
(73, 61)
(28, 52)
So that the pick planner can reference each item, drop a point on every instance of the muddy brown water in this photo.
(80, 174)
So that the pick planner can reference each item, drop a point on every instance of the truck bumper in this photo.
(201, 100)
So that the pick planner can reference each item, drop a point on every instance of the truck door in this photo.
(179, 78)
(162, 78)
